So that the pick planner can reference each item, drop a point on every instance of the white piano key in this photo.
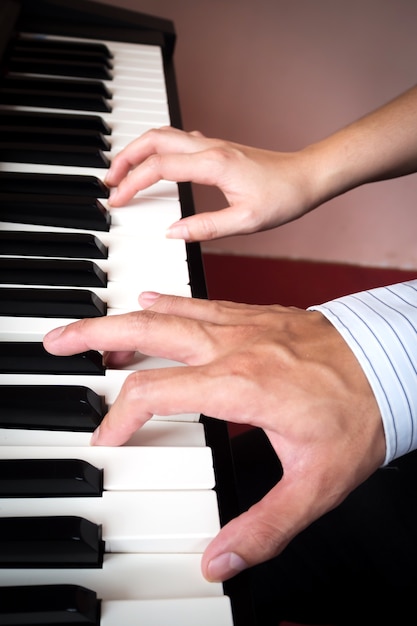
(153, 521)
(179, 431)
(108, 385)
(187, 612)
(139, 104)
(162, 190)
(128, 270)
(133, 468)
(119, 112)
(123, 83)
(143, 215)
(33, 328)
(128, 577)
(116, 296)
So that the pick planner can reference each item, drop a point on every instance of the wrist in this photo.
(378, 326)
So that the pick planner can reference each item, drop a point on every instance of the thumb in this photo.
(209, 225)
(260, 533)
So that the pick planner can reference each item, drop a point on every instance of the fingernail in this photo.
(95, 436)
(225, 566)
(178, 231)
(148, 298)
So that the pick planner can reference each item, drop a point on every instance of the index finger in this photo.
(151, 333)
(155, 141)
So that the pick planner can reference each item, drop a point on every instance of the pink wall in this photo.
(282, 73)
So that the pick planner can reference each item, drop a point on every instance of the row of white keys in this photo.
(187, 612)
(146, 261)
(133, 468)
(138, 90)
(127, 577)
(107, 385)
(136, 261)
(137, 521)
(184, 430)
(128, 582)
(141, 69)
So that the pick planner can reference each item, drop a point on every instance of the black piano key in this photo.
(76, 273)
(63, 100)
(65, 53)
(54, 120)
(60, 136)
(58, 67)
(48, 605)
(25, 357)
(50, 154)
(59, 303)
(58, 45)
(46, 542)
(32, 49)
(61, 50)
(67, 245)
(85, 95)
(55, 85)
(73, 408)
(53, 184)
(54, 210)
(49, 478)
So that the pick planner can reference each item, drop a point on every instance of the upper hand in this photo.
(262, 188)
(285, 370)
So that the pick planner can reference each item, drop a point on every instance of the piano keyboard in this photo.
(98, 536)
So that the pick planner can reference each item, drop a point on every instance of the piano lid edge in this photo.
(87, 18)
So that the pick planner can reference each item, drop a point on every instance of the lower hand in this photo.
(285, 370)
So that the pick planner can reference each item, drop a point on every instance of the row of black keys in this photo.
(54, 408)
(54, 200)
(33, 77)
(62, 200)
(70, 140)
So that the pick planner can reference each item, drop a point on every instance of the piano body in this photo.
(105, 536)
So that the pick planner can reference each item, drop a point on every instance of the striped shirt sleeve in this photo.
(380, 326)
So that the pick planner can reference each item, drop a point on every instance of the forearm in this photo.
(379, 146)
(380, 326)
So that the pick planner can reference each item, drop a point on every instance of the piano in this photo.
(103, 536)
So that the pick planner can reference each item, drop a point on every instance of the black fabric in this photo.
(357, 565)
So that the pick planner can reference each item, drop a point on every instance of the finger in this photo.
(220, 312)
(150, 333)
(264, 530)
(119, 359)
(212, 224)
(150, 142)
(215, 311)
(165, 391)
(197, 167)
(204, 389)
(164, 140)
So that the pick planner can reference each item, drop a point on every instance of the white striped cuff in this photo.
(380, 326)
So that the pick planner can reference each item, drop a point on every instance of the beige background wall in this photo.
(283, 73)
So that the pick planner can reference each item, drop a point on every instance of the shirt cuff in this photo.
(380, 326)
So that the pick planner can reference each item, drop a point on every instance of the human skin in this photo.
(285, 370)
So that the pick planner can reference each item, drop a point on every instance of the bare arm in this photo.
(263, 188)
